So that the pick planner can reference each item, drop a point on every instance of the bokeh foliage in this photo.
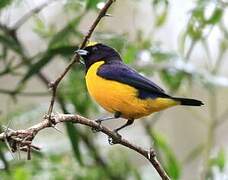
(173, 67)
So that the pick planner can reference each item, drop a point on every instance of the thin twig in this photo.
(84, 136)
(219, 61)
(15, 137)
(43, 78)
(13, 93)
(10, 69)
(189, 52)
(211, 133)
(76, 57)
(24, 138)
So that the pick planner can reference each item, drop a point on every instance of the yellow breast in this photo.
(118, 97)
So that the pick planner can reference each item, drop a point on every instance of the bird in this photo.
(120, 89)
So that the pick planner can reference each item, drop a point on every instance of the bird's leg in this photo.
(128, 123)
(104, 119)
(116, 115)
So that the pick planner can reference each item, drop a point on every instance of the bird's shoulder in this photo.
(120, 72)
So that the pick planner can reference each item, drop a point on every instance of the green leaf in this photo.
(196, 23)
(43, 30)
(194, 31)
(160, 19)
(162, 56)
(10, 43)
(160, 8)
(171, 163)
(72, 131)
(92, 4)
(130, 54)
(223, 46)
(216, 16)
(72, 6)
(198, 13)
(74, 139)
(64, 51)
(172, 79)
(21, 173)
(4, 3)
(220, 160)
(3, 53)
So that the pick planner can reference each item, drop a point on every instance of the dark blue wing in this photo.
(120, 72)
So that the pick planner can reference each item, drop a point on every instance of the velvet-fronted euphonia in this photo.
(120, 89)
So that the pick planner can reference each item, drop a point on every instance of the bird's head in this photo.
(94, 52)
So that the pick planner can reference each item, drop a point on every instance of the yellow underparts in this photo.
(118, 97)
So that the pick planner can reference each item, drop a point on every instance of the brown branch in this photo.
(150, 155)
(88, 141)
(45, 81)
(76, 57)
(23, 138)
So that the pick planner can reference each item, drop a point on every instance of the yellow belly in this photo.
(118, 97)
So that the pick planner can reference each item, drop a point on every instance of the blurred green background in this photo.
(181, 45)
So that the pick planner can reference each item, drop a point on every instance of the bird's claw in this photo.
(151, 153)
(112, 141)
(95, 130)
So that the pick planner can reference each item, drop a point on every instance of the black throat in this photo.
(106, 61)
(100, 52)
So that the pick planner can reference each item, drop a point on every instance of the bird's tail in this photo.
(188, 102)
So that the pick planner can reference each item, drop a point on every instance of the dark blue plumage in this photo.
(118, 71)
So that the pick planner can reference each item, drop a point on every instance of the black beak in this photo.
(81, 52)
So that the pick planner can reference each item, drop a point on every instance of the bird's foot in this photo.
(151, 154)
(115, 140)
(95, 130)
